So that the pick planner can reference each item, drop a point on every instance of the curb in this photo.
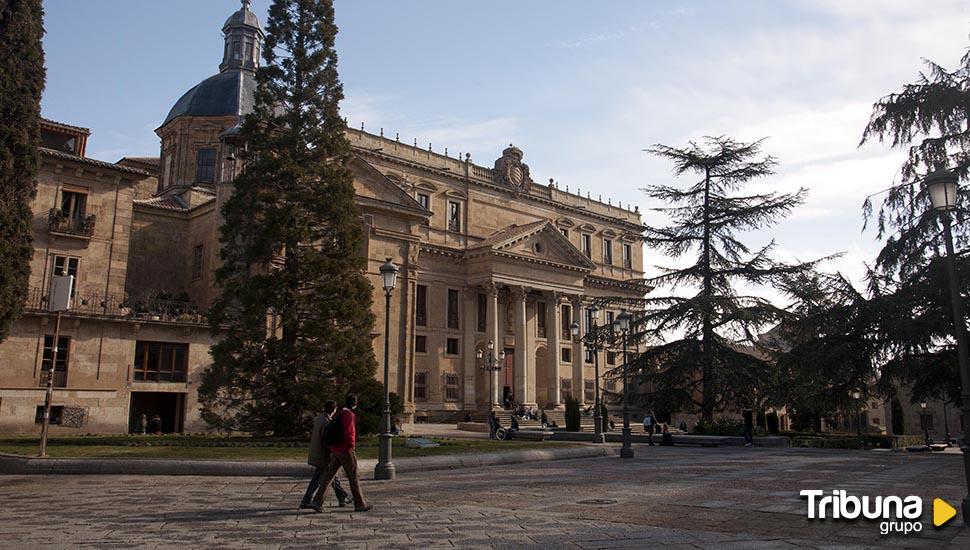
(19, 465)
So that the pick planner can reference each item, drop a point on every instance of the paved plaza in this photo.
(671, 497)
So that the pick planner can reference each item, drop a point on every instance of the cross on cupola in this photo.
(244, 39)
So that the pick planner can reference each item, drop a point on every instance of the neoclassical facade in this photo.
(486, 255)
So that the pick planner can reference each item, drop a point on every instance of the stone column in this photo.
(531, 330)
(469, 360)
(553, 330)
(579, 356)
(491, 333)
(521, 346)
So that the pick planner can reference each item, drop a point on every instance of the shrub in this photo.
(719, 426)
(572, 415)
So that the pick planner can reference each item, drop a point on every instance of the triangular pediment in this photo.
(538, 241)
(370, 183)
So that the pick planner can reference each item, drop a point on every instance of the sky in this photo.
(581, 87)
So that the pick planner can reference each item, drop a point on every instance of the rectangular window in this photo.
(236, 49)
(424, 200)
(567, 320)
(66, 265)
(161, 361)
(607, 251)
(627, 256)
(588, 320)
(420, 385)
(60, 363)
(197, 262)
(420, 344)
(566, 388)
(249, 51)
(73, 204)
(589, 390)
(451, 387)
(611, 358)
(610, 385)
(57, 412)
(452, 347)
(205, 166)
(588, 245)
(453, 309)
(610, 318)
(541, 319)
(421, 306)
(454, 216)
(482, 312)
(566, 355)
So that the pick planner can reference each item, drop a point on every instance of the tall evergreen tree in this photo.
(294, 300)
(929, 119)
(714, 359)
(22, 77)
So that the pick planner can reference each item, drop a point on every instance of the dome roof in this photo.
(226, 94)
(242, 17)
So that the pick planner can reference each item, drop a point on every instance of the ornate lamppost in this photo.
(491, 365)
(942, 187)
(623, 323)
(856, 395)
(926, 426)
(385, 468)
(591, 340)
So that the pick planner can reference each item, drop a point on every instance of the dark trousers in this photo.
(748, 435)
(314, 484)
(650, 429)
(347, 461)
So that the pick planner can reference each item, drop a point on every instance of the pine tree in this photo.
(929, 119)
(22, 78)
(295, 303)
(714, 359)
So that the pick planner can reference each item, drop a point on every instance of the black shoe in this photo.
(363, 508)
(341, 502)
(304, 505)
(317, 508)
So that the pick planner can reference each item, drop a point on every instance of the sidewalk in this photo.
(19, 465)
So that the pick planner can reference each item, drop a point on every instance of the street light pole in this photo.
(591, 343)
(926, 427)
(627, 450)
(856, 395)
(942, 187)
(385, 468)
(490, 365)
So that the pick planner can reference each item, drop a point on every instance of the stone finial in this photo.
(446, 151)
(468, 157)
(246, 3)
(397, 136)
(382, 132)
(429, 146)
(361, 126)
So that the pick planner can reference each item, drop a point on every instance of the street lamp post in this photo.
(856, 395)
(942, 187)
(591, 342)
(623, 323)
(926, 426)
(490, 365)
(385, 468)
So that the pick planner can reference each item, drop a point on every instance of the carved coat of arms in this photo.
(512, 172)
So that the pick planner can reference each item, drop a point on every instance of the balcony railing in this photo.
(64, 224)
(152, 306)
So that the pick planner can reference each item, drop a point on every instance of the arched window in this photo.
(205, 166)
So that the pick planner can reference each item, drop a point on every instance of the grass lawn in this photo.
(237, 448)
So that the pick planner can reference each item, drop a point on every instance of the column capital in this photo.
(576, 300)
(554, 296)
(490, 288)
(519, 293)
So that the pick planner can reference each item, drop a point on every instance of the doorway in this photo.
(169, 406)
(508, 378)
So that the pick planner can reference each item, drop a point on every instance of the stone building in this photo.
(486, 255)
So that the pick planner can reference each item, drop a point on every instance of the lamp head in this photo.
(574, 329)
(479, 354)
(491, 345)
(501, 355)
(923, 405)
(623, 320)
(855, 395)
(942, 187)
(389, 273)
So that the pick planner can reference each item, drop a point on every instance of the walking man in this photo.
(748, 419)
(319, 458)
(649, 426)
(342, 455)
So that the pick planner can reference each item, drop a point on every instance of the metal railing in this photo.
(60, 222)
(150, 306)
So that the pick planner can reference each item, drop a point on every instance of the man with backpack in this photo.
(340, 436)
(319, 458)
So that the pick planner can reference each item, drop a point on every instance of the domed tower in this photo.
(192, 154)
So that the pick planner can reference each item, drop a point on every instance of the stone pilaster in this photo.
(553, 330)
(469, 360)
(521, 346)
(492, 333)
(578, 355)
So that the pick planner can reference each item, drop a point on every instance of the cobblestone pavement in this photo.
(673, 497)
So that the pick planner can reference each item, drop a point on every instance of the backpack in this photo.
(333, 434)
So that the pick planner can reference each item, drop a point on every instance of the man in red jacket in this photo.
(342, 455)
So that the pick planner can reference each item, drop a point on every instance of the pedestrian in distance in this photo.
(319, 458)
(649, 426)
(341, 438)
(143, 424)
(155, 426)
(748, 418)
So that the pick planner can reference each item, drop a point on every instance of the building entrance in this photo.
(169, 406)
(508, 379)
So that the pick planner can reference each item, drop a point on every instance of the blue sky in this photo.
(580, 86)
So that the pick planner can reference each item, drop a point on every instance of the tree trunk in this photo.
(707, 399)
